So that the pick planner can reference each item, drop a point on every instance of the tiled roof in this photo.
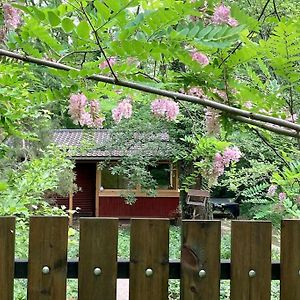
(102, 143)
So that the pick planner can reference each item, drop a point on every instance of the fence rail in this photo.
(200, 269)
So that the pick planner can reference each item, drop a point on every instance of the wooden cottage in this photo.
(100, 191)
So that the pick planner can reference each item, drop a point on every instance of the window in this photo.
(164, 176)
(163, 173)
(112, 181)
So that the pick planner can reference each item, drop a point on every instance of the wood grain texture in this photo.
(48, 239)
(98, 248)
(7, 257)
(149, 248)
(200, 251)
(250, 250)
(290, 260)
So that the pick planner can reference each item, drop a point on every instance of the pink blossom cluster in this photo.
(83, 112)
(218, 165)
(282, 196)
(165, 108)
(248, 104)
(200, 57)
(222, 94)
(196, 91)
(212, 121)
(12, 16)
(223, 160)
(222, 16)
(231, 155)
(111, 60)
(123, 110)
(271, 190)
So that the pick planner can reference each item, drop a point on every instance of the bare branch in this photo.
(98, 42)
(249, 36)
(233, 112)
(267, 143)
(269, 127)
(113, 16)
(275, 10)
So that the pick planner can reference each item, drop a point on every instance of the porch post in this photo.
(97, 200)
(70, 208)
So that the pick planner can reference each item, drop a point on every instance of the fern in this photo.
(255, 191)
(282, 49)
(210, 36)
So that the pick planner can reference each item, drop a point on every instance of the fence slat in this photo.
(97, 249)
(149, 250)
(200, 252)
(250, 251)
(48, 239)
(290, 260)
(7, 257)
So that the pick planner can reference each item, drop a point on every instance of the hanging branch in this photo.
(267, 143)
(98, 42)
(249, 35)
(269, 127)
(275, 11)
(233, 112)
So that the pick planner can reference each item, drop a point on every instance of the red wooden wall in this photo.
(164, 207)
(85, 197)
(160, 207)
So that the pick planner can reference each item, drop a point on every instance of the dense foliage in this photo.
(244, 56)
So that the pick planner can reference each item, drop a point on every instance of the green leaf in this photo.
(3, 185)
(53, 19)
(40, 14)
(194, 31)
(102, 9)
(67, 25)
(83, 30)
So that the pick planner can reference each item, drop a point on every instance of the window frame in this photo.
(174, 192)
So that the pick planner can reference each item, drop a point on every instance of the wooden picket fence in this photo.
(250, 270)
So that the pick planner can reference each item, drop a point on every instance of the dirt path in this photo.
(122, 289)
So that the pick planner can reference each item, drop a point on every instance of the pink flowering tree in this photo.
(165, 108)
(222, 16)
(210, 158)
(123, 110)
(12, 17)
(201, 69)
(84, 112)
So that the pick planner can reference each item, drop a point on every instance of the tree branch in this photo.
(98, 42)
(145, 75)
(249, 36)
(269, 127)
(266, 142)
(275, 10)
(76, 52)
(113, 16)
(233, 112)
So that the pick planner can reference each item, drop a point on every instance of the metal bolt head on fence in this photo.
(97, 271)
(202, 273)
(45, 270)
(252, 273)
(149, 272)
